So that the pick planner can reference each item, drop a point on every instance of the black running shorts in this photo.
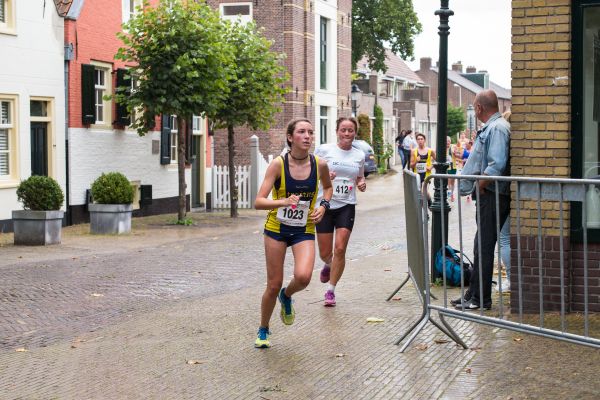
(342, 217)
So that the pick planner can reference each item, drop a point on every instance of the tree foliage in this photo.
(364, 128)
(183, 68)
(378, 148)
(380, 23)
(256, 89)
(456, 121)
(183, 61)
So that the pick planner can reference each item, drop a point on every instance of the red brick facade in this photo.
(290, 24)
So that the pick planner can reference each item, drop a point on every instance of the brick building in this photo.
(316, 38)
(402, 96)
(462, 86)
(99, 136)
(556, 98)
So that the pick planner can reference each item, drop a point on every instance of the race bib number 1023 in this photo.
(294, 216)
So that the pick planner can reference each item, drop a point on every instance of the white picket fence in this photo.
(221, 186)
(248, 179)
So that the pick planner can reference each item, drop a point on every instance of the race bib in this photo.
(342, 188)
(294, 216)
(421, 168)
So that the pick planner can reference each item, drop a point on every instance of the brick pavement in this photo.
(121, 321)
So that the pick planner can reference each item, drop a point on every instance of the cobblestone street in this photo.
(171, 313)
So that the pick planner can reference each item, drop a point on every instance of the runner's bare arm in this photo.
(262, 201)
(413, 159)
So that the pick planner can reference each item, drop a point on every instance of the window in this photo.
(585, 153)
(323, 124)
(99, 89)
(130, 8)
(7, 16)
(241, 12)
(173, 140)
(323, 52)
(96, 82)
(8, 139)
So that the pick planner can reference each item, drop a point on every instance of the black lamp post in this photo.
(354, 96)
(441, 166)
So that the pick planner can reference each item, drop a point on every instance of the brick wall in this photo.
(290, 25)
(541, 146)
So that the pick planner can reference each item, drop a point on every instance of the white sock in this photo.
(331, 287)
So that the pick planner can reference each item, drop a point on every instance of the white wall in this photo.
(326, 97)
(94, 151)
(33, 66)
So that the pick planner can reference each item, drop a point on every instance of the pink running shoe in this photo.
(329, 299)
(325, 271)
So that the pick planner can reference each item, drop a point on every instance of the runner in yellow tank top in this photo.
(422, 158)
(293, 181)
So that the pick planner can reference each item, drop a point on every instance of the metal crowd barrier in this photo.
(536, 191)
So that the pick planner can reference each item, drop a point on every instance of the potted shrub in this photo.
(40, 222)
(110, 212)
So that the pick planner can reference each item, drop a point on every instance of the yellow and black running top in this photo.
(294, 219)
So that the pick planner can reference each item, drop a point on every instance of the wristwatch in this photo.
(325, 203)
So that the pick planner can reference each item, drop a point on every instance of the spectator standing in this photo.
(489, 156)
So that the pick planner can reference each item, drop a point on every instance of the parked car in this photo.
(370, 164)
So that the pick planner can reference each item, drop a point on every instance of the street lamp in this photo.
(354, 96)
(459, 94)
(470, 118)
(439, 236)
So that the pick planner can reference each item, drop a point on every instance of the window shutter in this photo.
(165, 139)
(123, 81)
(88, 108)
(188, 140)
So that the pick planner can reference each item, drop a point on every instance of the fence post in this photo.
(254, 168)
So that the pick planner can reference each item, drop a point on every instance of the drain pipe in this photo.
(68, 58)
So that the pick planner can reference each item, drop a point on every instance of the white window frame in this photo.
(244, 19)
(106, 121)
(10, 124)
(173, 150)
(129, 8)
(8, 25)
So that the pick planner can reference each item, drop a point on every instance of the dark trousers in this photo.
(486, 224)
(406, 160)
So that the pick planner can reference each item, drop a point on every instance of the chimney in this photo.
(471, 69)
(458, 67)
(425, 63)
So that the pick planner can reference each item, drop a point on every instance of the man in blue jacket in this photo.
(489, 156)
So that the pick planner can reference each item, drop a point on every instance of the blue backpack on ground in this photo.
(450, 260)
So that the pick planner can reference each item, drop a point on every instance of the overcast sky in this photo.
(479, 35)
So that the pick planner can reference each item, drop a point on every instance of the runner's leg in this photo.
(275, 256)
(304, 261)
(342, 236)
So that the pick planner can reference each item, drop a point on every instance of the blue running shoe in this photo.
(262, 339)
(287, 309)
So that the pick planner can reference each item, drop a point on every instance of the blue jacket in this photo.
(490, 155)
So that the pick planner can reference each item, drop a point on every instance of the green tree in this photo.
(364, 128)
(378, 148)
(456, 121)
(377, 24)
(256, 90)
(183, 68)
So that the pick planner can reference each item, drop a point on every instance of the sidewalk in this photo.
(178, 313)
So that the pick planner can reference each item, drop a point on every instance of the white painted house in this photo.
(32, 98)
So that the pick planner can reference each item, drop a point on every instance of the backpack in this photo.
(450, 260)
